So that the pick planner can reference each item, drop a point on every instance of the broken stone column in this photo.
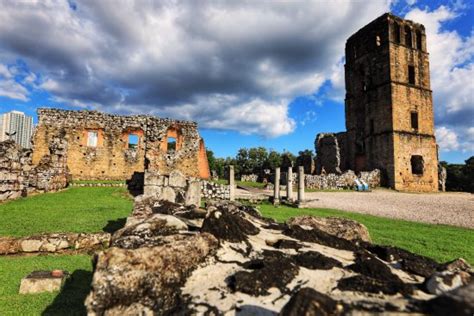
(300, 184)
(276, 187)
(289, 184)
(231, 183)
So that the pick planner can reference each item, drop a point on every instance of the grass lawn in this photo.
(77, 209)
(68, 302)
(98, 181)
(440, 242)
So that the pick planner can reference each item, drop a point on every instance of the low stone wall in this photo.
(18, 177)
(55, 242)
(214, 191)
(249, 177)
(346, 180)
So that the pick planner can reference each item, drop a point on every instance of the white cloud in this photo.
(9, 87)
(452, 73)
(228, 65)
(446, 139)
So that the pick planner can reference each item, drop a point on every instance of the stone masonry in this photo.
(113, 147)
(19, 177)
(389, 108)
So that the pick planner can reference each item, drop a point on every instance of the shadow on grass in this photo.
(114, 225)
(70, 301)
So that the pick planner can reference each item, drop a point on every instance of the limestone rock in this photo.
(147, 276)
(445, 281)
(193, 194)
(177, 179)
(457, 302)
(31, 245)
(340, 227)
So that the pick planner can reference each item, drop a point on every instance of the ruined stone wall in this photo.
(332, 181)
(328, 153)
(19, 177)
(115, 155)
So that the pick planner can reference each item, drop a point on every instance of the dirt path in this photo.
(436, 208)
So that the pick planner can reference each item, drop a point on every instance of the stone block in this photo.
(168, 194)
(31, 245)
(43, 281)
(177, 179)
(193, 194)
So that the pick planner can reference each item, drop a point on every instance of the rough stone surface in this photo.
(214, 191)
(228, 259)
(340, 227)
(149, 276)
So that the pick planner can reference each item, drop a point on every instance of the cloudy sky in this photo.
(256, 73)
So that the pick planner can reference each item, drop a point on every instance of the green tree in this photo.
(287, 160)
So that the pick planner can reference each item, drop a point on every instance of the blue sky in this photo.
(251, 74)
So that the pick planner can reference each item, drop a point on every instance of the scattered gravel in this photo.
(436, 208)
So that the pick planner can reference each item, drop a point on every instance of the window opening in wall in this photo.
(92, 137)
(417, 165)
(411, 74)
(408, 37)
(372, 126)
(133, 141)
(396, 33)
(418, 40)
(171, 144)
(377, 40)
(414, 120)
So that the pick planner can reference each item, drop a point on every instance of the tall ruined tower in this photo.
(389, 108)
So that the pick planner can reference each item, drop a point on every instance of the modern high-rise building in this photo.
(17, 126)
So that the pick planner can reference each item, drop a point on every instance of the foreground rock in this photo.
(340, 227)
(228, 259)
(43, 281)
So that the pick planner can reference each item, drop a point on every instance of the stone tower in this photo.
(389, 108)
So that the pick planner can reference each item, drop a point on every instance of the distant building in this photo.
(17, 126)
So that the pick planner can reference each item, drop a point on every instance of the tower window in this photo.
(92, 137)
(372, 126)
(411, 74)
(414, 120)
(377, 40)
(396, 33)
(408, 37)
(417, 165)
(171, 144)
(418, 40)
(133, 141)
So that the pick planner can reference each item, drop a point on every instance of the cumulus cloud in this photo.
(228, 65)
(9, 87)
(452, 73)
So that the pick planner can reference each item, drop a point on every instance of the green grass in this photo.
(440, 242)
(70, 301)
(78, 209)
(98, 181)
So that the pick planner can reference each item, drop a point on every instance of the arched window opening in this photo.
(396, 33)
(418, 40)
(171, 144)
(133, 141)
(408, 37)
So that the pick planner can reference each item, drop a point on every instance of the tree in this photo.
(287, 160)
(211, 160)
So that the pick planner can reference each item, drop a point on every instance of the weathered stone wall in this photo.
(328, 153)
(18, 177)
(332, 181)
(214, 191)
(114, 156)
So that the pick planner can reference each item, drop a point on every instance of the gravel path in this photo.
(436, 208)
